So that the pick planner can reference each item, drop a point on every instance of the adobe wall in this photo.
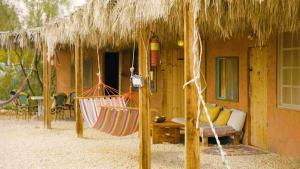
(168, 99)
(283, 124)
(233, 47)
(63, 72)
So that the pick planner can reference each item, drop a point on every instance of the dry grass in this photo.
(116, 23)
(27, 145)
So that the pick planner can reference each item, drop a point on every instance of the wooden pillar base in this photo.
(236, 139)
(204, 141)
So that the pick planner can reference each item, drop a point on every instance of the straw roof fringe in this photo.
(22, 38)
(116, 23)
(258, 17)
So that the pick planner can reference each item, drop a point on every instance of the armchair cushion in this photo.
(237, 120)
(213, 113)
(223, 117)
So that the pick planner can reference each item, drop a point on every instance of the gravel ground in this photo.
(26, 144)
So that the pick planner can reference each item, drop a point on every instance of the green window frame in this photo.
(87, 73)
(227, 78)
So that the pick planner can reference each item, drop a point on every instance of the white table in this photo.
(40, 100)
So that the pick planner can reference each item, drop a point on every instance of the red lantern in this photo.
(154, 51)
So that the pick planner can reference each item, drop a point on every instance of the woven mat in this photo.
(234, 150)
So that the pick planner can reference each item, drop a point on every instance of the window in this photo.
(227, 78)
(289, 71)
(87, 72)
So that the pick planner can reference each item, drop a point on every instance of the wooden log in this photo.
(78, 86)
(144, 104)
(205, 141)
(46, 88)
(236, 138)
(192, 143)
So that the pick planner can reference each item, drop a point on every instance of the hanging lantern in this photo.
(180, 43)
(154, 51)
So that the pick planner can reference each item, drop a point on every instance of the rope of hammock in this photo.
(133, 55)
(132, 63)
(197, 54)
(109, 113)
(101, 90)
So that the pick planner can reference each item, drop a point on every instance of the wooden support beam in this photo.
(46, 87)
(144, 104)
(192, 145)
(78, 86)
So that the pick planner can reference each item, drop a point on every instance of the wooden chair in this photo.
(14, 109)
(71, 103)
(24, 107)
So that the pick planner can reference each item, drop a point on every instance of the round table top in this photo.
(37, 97)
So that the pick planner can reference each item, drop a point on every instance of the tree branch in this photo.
(23, 69)
(36, 62)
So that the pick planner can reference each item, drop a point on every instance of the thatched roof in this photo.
(115, 23)
(23, 38)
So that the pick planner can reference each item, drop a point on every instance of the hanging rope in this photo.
(99, 67)
(132, 64)
(133, 52)
(197, 53)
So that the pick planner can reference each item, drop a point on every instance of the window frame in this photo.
(218, 79)
(88, 68)
(280, 68)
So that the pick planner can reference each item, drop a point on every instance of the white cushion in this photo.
(179, 120)
(212, 104)
(237, 120)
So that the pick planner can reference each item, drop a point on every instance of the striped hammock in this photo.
(110, 114)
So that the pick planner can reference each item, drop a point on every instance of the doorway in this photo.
(111, 69)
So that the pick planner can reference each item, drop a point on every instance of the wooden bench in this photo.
(205, 132)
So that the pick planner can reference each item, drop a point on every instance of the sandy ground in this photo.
(26, 144)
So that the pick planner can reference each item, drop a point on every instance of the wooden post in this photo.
(46, 88)
(192, 145)
(144, 103)
(78, 85)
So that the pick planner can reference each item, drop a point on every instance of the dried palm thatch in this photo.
(261, 18)
(116, 23)
(22, 38)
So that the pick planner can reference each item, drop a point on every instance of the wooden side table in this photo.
(166, 132)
